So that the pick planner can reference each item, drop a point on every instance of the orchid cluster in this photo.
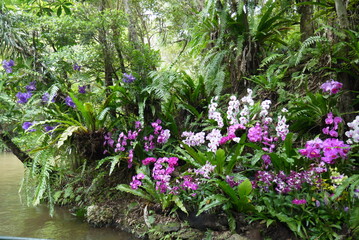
(123, 141)
(159, 135)
(46, 97)
(162, 172)
(331, 87)
(193, 139)
(69, 102)
(193, 179)
(331, 120)
(261, 131)
(233, 109)
(282, 127)
(299, 201)
(24, 97)
(76, 67)
(337, 178)
(230, 180)
(82, 89)
(7, 65)
(213, 113)
(27, 127)
(239, 119)
(214, 137)
(31, 87)
(128, 78)
(327, 151)
(136, 181)
(282, 183)
(353, 133)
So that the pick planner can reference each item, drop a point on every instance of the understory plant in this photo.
(249, 162)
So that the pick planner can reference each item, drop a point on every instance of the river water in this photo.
(19, 220)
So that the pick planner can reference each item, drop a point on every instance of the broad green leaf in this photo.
(229, 191)
(59, 11)
(245, 188)
(196, 155)
(288, 144)
(220, 160)
(256, 158)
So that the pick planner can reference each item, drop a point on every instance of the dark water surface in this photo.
(19, 220)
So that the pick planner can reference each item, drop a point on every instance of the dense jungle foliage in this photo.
(243, 108)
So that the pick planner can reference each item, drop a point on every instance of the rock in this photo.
(190, 234)
(205, 221)
(168, 227)
(100, 216)
(237, 237)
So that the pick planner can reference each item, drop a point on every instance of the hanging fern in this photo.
(307, 43)
(270, 59)
(214, 72)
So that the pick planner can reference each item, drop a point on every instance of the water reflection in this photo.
(16, 219)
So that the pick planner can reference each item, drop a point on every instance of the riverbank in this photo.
(148, 221)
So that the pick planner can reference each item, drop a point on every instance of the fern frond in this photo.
(307, 43)
(270, 59)
(43, 177)
(66, 134)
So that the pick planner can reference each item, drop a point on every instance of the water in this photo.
(19, 220)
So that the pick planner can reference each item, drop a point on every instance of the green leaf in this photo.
(353, 179)
(269, 222)
(179, 203)
(292, 224)
(220, 160)
(211, 202)
(59, 11)
(187, 157)
(256, 158)
(200, 158)
(245, 188)
(253, 145)
(67, 10)
(229, 191)
(231, 221)
(115, 160)
(67, 133)
(137, 192)
(354, 220)
(288, 144)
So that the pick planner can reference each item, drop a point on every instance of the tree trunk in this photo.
(306, 24)
(342, 14)
(132, 33)
(350, 84)
(21, 155)
(109, 72)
